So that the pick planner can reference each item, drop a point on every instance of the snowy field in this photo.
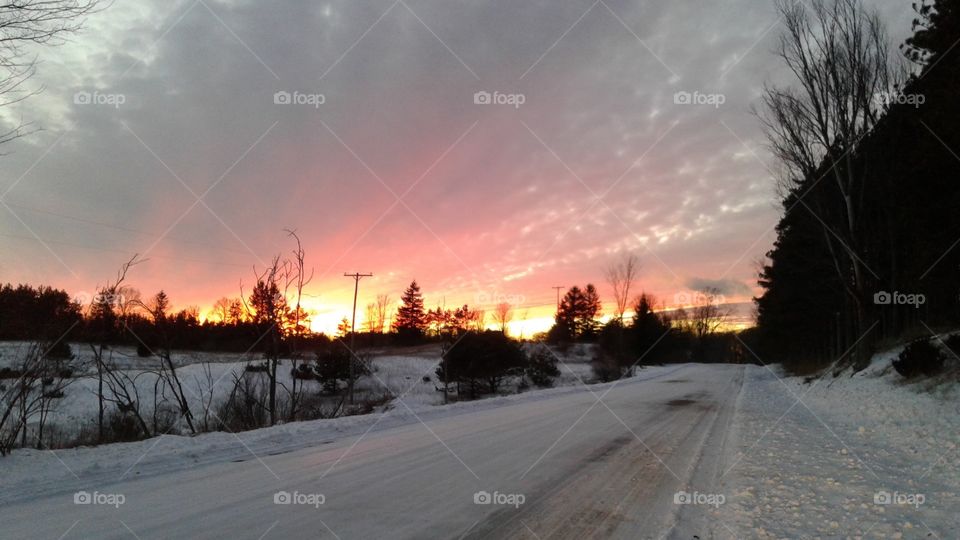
(208, 379)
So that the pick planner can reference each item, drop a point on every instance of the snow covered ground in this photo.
(862, 455)
(679, 451)
(209, 377)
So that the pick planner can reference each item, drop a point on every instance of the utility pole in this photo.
(558, 288)
(353, 323)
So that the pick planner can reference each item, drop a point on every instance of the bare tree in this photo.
(30, 397)
(103, 312)
(707, 315)
(837, 51)
(502, 315)
(296, 279)
(168, 371)
(221, 309)
(382, 312)
(479, 322)
(621, 276)
(269, 306)
(370, 318)
(23, 25)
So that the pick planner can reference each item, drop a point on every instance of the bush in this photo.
(257, 368)
(59, 351)
(605, 368)
(124, 427)
(542, 367)
(332, 365)
(303, 372)
(919, 358)
(482, 359)
(143, 351)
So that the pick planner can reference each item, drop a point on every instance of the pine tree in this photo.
(578, 313)
(411, 320)
(160, 306)
(935, 31)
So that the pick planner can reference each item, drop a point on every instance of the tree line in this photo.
(869, 144)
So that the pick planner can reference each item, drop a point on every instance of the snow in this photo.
(812, 457)
(205, 373)
(687, 450)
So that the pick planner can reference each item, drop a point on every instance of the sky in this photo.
(491, 150)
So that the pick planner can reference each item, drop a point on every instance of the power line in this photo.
(120, 227)
(121, 251)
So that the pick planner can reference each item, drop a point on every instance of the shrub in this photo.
(482, 359)
(59, 351)
(542, 367)
(9, 373)
(256, 368)
(303, 372)
(605, 368)
(919, 358)
(143, 351)
(332, 365)
(123, 427)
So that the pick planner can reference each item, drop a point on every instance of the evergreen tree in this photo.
(411, 320)
(577, 316)
(935, 31)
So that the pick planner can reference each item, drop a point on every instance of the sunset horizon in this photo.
(479, 269)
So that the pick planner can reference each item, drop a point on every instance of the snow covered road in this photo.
(600, 461)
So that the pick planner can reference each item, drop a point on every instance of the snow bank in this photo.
(863, 454)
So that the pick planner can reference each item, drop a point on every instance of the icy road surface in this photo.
(598, 462)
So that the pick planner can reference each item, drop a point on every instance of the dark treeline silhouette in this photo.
(29, 313)
(866, 248)
(649, 337)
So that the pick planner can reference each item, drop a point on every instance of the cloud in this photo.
(726, 287)
(599, 158)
